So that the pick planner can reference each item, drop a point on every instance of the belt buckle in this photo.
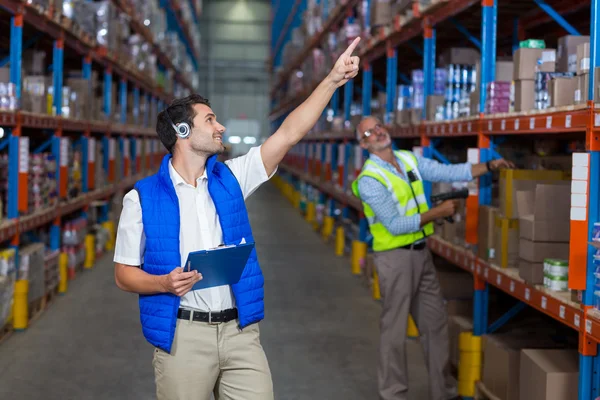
(210, 321)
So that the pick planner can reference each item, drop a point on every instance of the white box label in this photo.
(111, 149)
(579, 187)
(516, 124)
(578, 200)
(459, 128)
(503, 124)
(486, 273)
(577, 320)
(473, 156)
(91, 150)
(64, 152)
(23, 155)
(527, 294)
(568, 121)
(498, 279)
(561, 312)
(548, 56)
(512, 286)
(597, 120)
(580, 173)
(549, 122)
(581, 159)
(469, 127)
(544, 302)
(577, 96)
(578, 214)
(585, 64)
(588, 326)
(490, 125)
(531, 123)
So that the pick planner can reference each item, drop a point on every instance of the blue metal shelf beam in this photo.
(557, 17)
(460, 27)
(367, 90)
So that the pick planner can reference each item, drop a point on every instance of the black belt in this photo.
(415, 246)
(214, 317)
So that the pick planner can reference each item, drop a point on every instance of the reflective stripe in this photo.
(372, 220)
(421, 199)
(411, 162)
(376, 170)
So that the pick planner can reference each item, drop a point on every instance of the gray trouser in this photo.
(409, 284)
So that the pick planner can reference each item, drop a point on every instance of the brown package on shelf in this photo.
(514, 180)
(35, 94)
(532, 273)
(485, 232)
(583, 58)
(457, 324)
(562, 91)
(381, 12)
(536, 252)
(566, 54)
(415, 116)
(432, 104)
(474, 103)
(459, 55)
(402, 117)
(506, 236)
(583, 84)
(549, 374)
(526, 61)
(544, 212)
(524, 95)
(501, 372)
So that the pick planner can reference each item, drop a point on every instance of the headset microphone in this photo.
(182, 129)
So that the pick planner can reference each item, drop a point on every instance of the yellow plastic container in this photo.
(339, 241)
(466, 388)
(327, 227)
(310, 211)
(469, 359)
(359, 252)
(411, 330)
(90, 251)
(20, 305)
(469, 343)
(375, 287)
(63, 273)
(472, 373)
(110, 227)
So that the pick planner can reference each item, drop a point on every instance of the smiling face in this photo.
(373, 135)
(207, 134)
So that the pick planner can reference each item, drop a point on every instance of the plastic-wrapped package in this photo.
(31, 268)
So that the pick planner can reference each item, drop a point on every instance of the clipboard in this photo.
(220, 266)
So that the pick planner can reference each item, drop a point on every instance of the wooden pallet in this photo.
(36, 308)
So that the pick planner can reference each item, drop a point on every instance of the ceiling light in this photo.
(234, 139)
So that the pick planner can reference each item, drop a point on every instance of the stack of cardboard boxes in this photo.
(544, 226)
(529, 365)
(527, 62)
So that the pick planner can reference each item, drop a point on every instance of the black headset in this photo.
(182, 129)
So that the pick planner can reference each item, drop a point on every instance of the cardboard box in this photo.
(416, 116)
(566, 54)
(432, 104)
(456, 325)
(532, 273)
(402, 117)
(502, 361)
(474, 102)
(544, 212)
(485, 232)
(504, 71)
(381, 12)
(583, 58)
(524, 95)
(506, 237)
(459, 55)
(514, 180)
(583, 84)
(526, 61)
(562, 91)
(536, 252)
(549, 374)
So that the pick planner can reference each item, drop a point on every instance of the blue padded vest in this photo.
(160, 216)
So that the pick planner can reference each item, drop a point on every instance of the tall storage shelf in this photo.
(96, 109)
(320, 169)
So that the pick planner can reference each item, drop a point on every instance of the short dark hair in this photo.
(180, 110)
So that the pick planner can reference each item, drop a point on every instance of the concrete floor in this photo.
(320, 333)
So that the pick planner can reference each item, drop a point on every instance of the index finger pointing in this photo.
(352, 46)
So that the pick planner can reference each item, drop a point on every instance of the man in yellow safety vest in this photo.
(390, 187)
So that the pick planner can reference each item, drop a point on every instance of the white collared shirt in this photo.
(199, 229)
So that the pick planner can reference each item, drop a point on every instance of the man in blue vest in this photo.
(206, 341)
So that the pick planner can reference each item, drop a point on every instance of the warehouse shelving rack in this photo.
(17, 125)
(326, 151)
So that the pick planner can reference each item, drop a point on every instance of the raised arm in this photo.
(303, 118)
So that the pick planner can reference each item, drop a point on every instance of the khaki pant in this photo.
(218, 359)
(409, 284)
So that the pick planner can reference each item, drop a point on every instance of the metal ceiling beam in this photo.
(557, 17)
